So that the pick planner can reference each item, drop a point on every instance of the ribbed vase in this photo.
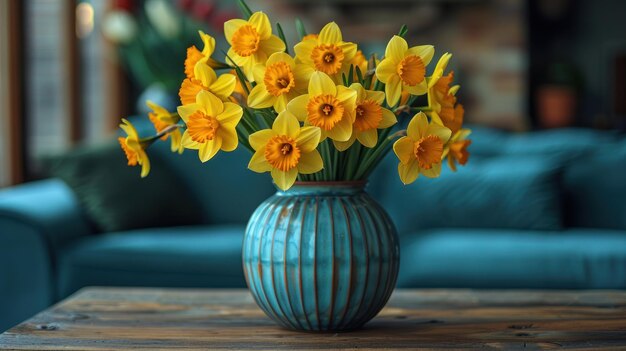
(321, 256)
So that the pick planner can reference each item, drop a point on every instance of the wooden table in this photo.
(166, 319)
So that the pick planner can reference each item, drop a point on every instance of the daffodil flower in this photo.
(404, 68)
(194, 55)
(457, 149)
(210, 124)
(369, 116)
(251, 42)
(450, 115)
(327, 106)
(205, 79)
(161, 119)
(133, 148)
(421, 150)
(327, 52)
(279, 80)
(286, 150)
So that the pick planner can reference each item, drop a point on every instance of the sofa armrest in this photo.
(36, 219)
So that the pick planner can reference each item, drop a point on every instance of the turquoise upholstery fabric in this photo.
(484, 258)
(203, 256)
(595, 188)
(501, 192)
(36, 219)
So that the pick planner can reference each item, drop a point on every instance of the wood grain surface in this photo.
(173, 319)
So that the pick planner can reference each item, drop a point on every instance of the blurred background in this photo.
(72, 68)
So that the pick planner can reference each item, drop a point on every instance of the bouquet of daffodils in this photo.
(322, 112)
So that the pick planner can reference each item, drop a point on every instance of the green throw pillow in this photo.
(115, 197)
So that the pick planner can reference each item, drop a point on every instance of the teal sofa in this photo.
(537, 210)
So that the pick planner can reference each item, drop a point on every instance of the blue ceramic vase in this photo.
(321, 256)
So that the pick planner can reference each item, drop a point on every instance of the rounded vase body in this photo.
(321, 256)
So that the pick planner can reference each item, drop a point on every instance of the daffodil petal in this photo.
(417, 126)
(128, 128)
(210, 103)
(341, 131)
(260, 98)
(344, 145)
(347, 97)
(408, 172)
(259, 139)
(386, 69)
(425, 52)
(297, 107)
(310, 162)
(396, 48)
(393, 90)
(286, 124)
(231, 26)
(433, 172)
(403, 148)
(376, 96)
(304, 49)
(204, 74)
(309, 138)
(389, 119)
(420, 88)
(258, 72)
(442, 132)
(271, 45)
(261, 23)
(330, 34)
(145, 163)
(229, 138)
(209, 43)
(349, 51)
(231, 115)
(302, 74)
(258, 163)
(368, 138)
(280, 103)
(284, 180)
(280, 57)
(209, 149)
(321, 84)
(156, 108)
(185, 111)
(224, 86)
(188, 143)
(360, 91)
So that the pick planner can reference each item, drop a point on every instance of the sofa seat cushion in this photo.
(483, 258)
(200, 256)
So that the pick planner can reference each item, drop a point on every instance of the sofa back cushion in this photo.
(113, 195)
(595, 188)
(501, 192)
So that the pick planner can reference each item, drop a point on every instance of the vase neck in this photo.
(324, 188)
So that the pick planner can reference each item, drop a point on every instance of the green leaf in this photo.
(281, 35)
(359, 74)
(300, 28)
(240, 74)
(403, 30)
(350, 75)
(245, 10)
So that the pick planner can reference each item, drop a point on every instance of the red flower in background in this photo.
(126, 5)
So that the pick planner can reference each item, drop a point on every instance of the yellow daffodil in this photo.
(369, 117)
(133, 148)
(161, 119)
(205, 79)
(457, 149)
(210, 124)
(279, 80)
(403, 68)
(450, 114)
(327, 53)
(251, 42)
(194, 55)
(421, 150)
(327, 106)
(286, 150)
